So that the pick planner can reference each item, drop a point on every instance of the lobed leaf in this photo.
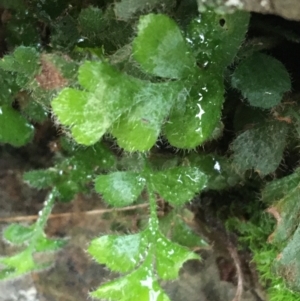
(215, 38)
(90, 114)
(119, 253)
(142, 283)
(170, 257)
(14, 128)
(262, 80)
(193, 122)
(18, 234)
(120, 188)
(179, 184)
(138, 129)
(160, 48)
(220, 173)
(174, 227)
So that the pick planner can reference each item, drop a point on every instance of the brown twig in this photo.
(237, 263)
(91, 212)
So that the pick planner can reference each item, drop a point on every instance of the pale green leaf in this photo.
(262, 80)
(21, 262)
(179, 184)
(120, 188)
(18, 234)
(14, 128)
(119, 253)
(90, 114)
(170, 257)
(141, 283)
(160, 48)
(43, 244)
(138, 129)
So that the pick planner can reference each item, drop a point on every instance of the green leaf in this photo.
(18, 234)
(277, 189)
(43, 244)
(173, 226)
(170, 257)
(111, 92)
(193, 122)
(215, 38)
(91, 21)
(179, 184)
(40, 179)
(142, 283)
(120, 188)
(24, 60)
(160, 48)
(138, 129)
(18, 264)
(220, 173)
(262, 80)
(14, 128)
(119, 253)
(260, 148)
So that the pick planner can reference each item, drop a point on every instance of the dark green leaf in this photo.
(260, 148)
(262, 80)
(14, 128)
(175, 228)
(220, 173)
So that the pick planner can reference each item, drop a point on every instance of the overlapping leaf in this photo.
(111, 94)
(138, 129)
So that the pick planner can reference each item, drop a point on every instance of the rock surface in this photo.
(289, 9)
